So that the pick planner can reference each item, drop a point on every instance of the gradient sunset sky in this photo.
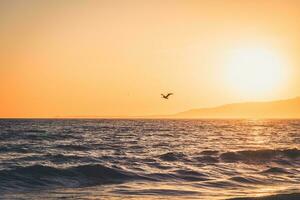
(115, 58)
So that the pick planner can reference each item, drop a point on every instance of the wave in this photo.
(72, 147)
(245, 180)
(207, 159)
(54, 158)
(257, 156)
(15, 148)
(172, 156)
(276, 170)
(281, 156)
(37, 176)
(44, 177)
(162, 192)
(36, 134)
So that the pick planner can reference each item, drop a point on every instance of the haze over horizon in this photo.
(103, 58)
(277, 109)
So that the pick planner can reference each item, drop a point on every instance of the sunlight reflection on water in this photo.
(154, 159)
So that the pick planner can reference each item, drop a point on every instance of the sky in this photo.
(115, 58)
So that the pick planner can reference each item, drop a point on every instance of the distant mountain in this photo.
(289, 108)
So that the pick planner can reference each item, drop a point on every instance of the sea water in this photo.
(148, 159)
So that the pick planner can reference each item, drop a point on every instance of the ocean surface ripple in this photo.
(149, 159)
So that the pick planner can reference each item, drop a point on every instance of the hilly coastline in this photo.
(289, 108)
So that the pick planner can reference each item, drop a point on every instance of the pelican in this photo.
(166, 96)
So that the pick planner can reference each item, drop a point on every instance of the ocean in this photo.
(149, 159)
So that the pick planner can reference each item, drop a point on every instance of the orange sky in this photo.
(79, 58)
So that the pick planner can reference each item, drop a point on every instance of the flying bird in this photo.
(166, 96)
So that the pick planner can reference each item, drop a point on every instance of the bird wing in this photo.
(169, 94)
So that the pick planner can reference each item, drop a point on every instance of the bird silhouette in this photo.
(166, 96)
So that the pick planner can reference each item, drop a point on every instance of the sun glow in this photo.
(255, 72)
